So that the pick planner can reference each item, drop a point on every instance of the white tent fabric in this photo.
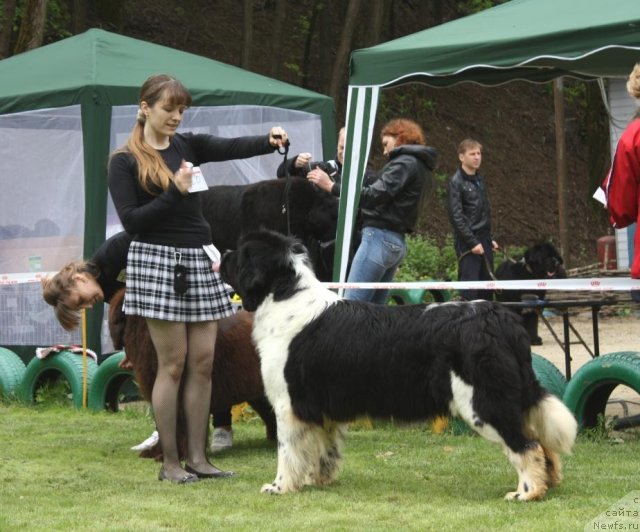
(41, 231)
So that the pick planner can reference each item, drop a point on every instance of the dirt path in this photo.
(617, 333)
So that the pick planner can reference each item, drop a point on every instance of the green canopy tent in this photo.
(531, 40)
(64, 106)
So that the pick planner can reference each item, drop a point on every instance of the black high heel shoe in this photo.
(190, 477)
(215, 474)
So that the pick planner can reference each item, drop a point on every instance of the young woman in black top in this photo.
(170, 279)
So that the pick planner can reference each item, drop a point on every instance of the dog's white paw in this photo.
(511, 496)
(524, 496)
(271, 489)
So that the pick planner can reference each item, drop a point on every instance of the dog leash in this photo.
(486, 263)
(287, 187)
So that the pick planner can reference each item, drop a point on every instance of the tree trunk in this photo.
(278, 32)
(78, 16)
(308, 66)
(561, 169)
(8, 14)
(247, 43)
(378, 18)
(344, 50)
(597, 138)
(32, 27)
(329, 14)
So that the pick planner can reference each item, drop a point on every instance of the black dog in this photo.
(293, 206)
(325, 361)
(541, 261)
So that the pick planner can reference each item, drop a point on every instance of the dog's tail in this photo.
(552, 423)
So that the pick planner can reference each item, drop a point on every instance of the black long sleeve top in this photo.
(167, 217)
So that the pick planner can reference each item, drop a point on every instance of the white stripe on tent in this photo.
(523, 64)
(359, 132)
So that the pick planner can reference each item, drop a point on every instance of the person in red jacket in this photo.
(622, 184)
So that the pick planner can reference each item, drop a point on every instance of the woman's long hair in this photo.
(153, 172)
(55, 291)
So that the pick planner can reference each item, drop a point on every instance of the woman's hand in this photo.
(278, 137)
(182, 178)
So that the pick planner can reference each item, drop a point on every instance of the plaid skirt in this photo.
(150, 293)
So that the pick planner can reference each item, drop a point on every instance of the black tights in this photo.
(183, 349)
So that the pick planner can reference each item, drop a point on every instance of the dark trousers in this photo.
(222, 418)
(474, 268)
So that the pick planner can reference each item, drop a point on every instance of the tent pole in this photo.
(561, 167)
(96, 135)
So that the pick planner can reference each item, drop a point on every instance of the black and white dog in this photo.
(541, 261)
(325, 361)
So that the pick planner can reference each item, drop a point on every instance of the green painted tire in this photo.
(549, 375)
(60, 365)
(587, 393)
(416, 296)
(109, 383)
(11, 372)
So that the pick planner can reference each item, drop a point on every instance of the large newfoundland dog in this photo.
(325, 361)
(541, 261)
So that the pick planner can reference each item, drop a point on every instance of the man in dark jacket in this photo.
(470, 216)
(326, 176)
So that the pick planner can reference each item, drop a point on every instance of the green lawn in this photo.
(67, 469)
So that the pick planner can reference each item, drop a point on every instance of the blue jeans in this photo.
(376, 260)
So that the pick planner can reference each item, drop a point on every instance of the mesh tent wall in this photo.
(530, 40)
(65, 106)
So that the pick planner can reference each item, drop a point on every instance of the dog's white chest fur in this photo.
(276, 323)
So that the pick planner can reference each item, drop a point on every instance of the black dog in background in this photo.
(541, 261)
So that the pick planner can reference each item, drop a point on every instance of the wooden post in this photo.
(561, 168)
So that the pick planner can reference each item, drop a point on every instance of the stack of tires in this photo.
(11, 372)
(586, 394)
(589, 389)
(107, 384)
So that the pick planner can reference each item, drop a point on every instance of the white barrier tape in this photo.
(596, 284)
(599, 284)
(23, 278)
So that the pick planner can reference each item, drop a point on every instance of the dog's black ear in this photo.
(298, 248)
(527, 257)
(251, 288)
(252, 278)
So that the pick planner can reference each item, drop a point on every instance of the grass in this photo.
(68, 469)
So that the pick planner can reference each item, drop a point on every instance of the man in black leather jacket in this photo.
(470, 217)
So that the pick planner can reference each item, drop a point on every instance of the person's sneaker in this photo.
(221, 440)
(148, 443)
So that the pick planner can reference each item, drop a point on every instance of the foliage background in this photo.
(307, 42)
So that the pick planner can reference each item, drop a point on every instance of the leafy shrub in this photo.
(54, 392)
(427, 260)
(511, 252)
